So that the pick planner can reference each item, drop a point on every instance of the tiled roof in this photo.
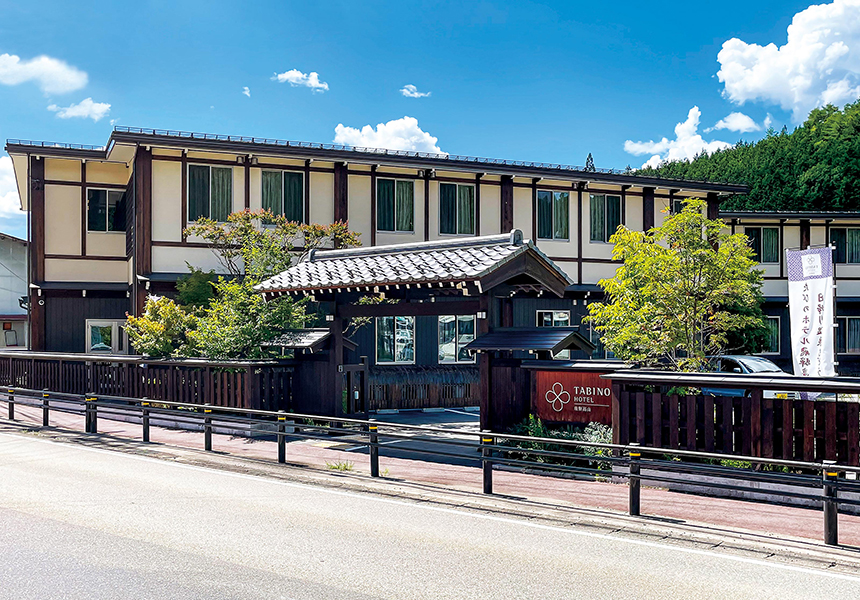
(436, 262)
(548, 339)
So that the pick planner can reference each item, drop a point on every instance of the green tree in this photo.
(162, 330)
(195, 289)
(589, 163)
(682, 290)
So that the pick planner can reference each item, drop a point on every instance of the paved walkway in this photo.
(782, 524)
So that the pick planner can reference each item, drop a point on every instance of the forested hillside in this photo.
(815, 167)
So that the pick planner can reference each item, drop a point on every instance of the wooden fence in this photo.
(265, 385)
(802, 430)
(423, 387)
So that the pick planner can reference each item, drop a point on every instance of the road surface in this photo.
(79, 522)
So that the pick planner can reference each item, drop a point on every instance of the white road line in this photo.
(438, 509)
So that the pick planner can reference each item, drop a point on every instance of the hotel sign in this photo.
(578, 397)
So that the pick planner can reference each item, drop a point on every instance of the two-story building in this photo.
(107, 225)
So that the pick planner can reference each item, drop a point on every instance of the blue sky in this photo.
(548, 81)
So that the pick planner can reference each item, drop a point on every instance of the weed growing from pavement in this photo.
(340, 465)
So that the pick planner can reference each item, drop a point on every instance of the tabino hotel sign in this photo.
(572, 397)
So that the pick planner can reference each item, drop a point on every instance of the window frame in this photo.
(283, 173)
(457, 208)
(188, 188)
(456, 360)
(564, 354)
(552, 194)
(119, 335)
(108, 192)
(845, 318)
(394, 346)
(845, 249)
(395, 230)
(761, 229)
(778, 320)
(606, 233)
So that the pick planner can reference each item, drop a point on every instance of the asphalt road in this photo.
(77, 522)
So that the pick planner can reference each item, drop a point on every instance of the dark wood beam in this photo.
(84, 208)
(37, 252)
(647, 208)
(507, 204)
(373, 185)
(478, 203)
(247, 183)
(427, 174)
(805, 234)
(341, 193)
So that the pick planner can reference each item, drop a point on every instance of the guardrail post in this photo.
(46, 409)
(207, 428)
(486, 465)
(94, 414)
(144, 417)
(282, 439)
(634, 482)
(10, 404)
(373, 447)
(831, 507)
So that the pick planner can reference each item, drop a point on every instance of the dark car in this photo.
(745, 365)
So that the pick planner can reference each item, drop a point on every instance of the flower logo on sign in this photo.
(557, 396)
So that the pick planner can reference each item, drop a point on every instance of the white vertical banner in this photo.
(810, 303)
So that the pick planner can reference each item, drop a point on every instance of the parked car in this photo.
(746, 365)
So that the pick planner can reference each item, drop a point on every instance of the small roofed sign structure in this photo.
(463, 276)
(537, 340)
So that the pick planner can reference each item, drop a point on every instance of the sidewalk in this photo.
(778, 526)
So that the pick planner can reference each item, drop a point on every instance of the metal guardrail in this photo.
(818, 481)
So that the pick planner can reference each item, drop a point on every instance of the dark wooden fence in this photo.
(265, 385)
(423, 387)
(754, 425)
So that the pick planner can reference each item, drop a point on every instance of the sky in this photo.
(633, 83)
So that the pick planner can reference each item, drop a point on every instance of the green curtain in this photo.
(773, 335)
(597, 208)
(544, 215)
(294, 196)
(466, 209)
(222, 193)
(838, 239)
(116, 211)
(561, 215)
(405, 209)
(754, 235)
(198, 192)
(447, 208)
(770, 244)
(852, 246)
(385, 205)
(96, 210)
(853, 335)
(272, 192)
(613, 215)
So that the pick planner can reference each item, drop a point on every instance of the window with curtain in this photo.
(456, 209)
(455, 332)
(284, 194)
(395, 205)
(772, 346)
(847, 243)
(848, 335)
(765, 243)
(555, 318)
(605, 216)
(210, 192)
(553, 215)
(105, 210)
(395, 340)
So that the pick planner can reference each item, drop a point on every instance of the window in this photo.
(105, 210)
(284, 194)
(106, 336)
(553, 215)
(395, 340)
(395, 205)
(764, 242)
(456, 208)
(677, 206)
(772, 345)
(210, 192)
(605, 216)
(848, 335)
(454, 333)
(847, 244)
(555, 318)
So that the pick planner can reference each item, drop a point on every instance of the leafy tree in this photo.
(162, 330)
(589, 163)
(683, 288)
(195, 289)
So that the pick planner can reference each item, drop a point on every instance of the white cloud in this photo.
(736, 121)
(768, 121)
(687, 143)
(247, 91)
(410, 91)
(819, 63)
(53, 76)
(296, 78)
(399, 134)
(12, 219)
(85, 109)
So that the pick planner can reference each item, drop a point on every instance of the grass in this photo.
(339, 465)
